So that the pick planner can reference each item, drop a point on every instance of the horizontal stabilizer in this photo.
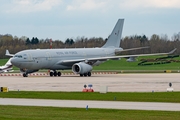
(173, 51)
(8, 54)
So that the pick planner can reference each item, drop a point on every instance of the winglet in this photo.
(8, 54)
(171, 52)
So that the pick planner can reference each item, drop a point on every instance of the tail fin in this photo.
(115, 37)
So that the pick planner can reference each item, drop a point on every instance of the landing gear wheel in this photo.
(59, 73)
(81, 75)
(55, 73)
(51, 74)
(89, 74)
(85, 74)
(25, 75)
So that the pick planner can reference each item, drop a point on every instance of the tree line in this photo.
(156, 43)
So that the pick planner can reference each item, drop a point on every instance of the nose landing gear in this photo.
(25, 75)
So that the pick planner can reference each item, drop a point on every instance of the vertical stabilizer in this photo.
(115, 37)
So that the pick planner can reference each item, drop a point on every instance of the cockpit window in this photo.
(18, 56)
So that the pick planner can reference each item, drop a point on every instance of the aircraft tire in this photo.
(59, 73)
(81, 75)
(85, 74)
(89, 74)
(51, 74)
(25, 75)
(55, 74)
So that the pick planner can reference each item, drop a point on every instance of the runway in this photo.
(115, 83)
(93, 104)
(158, 82)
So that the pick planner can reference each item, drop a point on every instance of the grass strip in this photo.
(173, 97)
(53, 113)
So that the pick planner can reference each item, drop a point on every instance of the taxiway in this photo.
(158, 82)
(114, 82)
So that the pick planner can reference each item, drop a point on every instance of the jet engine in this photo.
(81, 68)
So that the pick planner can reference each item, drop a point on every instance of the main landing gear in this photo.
(55, 73)
(86, 74)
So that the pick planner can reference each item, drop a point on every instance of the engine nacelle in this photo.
(81, 68)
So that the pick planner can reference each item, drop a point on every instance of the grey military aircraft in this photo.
(80, 60)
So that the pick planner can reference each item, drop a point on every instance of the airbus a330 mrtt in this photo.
(80, 60)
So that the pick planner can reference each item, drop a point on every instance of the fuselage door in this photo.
(84, 54)
(48, 56)
(29, 57)
(25, 56)
(106, 52)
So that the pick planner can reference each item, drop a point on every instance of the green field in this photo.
(123, 65)
(56, 113)
(173, 97)
(53, 113)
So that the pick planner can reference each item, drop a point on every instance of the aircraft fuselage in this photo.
(51, 58)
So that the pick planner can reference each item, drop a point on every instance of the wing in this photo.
(111, 57)
(117, 51)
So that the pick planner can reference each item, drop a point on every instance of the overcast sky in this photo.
(62, 19)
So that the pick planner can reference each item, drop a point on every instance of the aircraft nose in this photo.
(14, 62)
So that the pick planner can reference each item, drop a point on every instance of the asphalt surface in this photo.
(115, 83)
(92, 104)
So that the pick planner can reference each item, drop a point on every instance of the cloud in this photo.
(27, 6)
(86, 5)
(138, 4)
(166, 3)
